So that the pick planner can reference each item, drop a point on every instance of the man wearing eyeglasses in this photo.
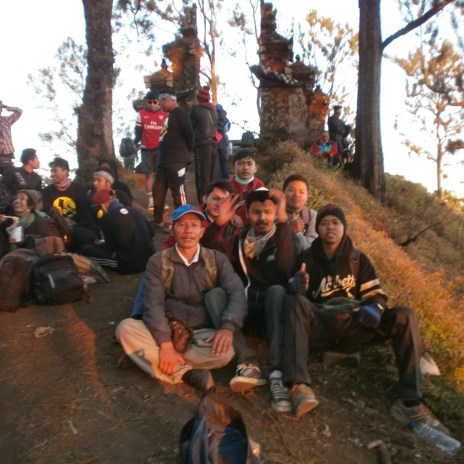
(148, 126)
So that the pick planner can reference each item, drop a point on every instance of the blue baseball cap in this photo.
(186, 209)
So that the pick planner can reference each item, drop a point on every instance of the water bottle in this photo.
(440, 439)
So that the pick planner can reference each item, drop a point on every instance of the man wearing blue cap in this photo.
(183, 284)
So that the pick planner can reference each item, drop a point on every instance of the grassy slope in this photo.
(406, 281)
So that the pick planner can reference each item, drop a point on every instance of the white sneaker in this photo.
(150, 204)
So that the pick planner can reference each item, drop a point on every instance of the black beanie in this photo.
(332, 210)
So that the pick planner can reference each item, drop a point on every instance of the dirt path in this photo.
(67, 395)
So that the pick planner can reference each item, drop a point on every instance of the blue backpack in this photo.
(215, 435)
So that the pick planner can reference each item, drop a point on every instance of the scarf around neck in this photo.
(254, 244)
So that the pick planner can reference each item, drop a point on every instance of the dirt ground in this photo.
(68, 395)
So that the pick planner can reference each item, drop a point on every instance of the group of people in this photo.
(333, 144)
(96, 221)
(247, 257)
(168, 135)
(250, 258)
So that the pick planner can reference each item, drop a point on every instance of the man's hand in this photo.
(227, 209)
(169, 358)
(222, 341)
(279, 197)
(369, 316)
(301, 281)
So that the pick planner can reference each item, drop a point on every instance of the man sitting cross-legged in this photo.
(340, 305)
(186, 281)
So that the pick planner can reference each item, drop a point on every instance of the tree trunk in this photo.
(368, 163)
(95, 129)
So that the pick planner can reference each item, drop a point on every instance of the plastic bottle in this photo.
(435, 437)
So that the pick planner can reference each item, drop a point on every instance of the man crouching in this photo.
(184, 283)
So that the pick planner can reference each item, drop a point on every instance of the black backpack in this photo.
(56, 280)
(215, 435)
(127, 147)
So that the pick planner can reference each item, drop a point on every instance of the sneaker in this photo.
(201, 379)
(419, 413)
(280, 401)
(166, 207)
(246, 377)
(303, 399)
(151, 207)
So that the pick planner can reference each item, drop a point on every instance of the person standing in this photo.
(339, 131)
(204, 121)
(148, 126)
(223, 144)
(176, 145)
(15, 179)
(6, 142)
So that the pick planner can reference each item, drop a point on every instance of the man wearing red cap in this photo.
(128, 242)
(339, 305)
(204, 121)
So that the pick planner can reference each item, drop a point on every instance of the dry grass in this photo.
(404, 278)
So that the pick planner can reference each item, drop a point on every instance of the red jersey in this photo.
(151, 124)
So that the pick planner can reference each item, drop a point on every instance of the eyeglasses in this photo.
(152, 102)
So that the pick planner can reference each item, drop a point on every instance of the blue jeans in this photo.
(215, 302)
(137, 308)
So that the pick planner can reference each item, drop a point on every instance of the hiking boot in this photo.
(280, 401)
(246, 377)
(419, 413)
(201, 379)
(303, 399)
(151, 206)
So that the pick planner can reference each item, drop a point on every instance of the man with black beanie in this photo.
(339, 305)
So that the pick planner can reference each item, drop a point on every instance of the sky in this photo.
(30, 42)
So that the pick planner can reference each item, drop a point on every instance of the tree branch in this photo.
(416, 23)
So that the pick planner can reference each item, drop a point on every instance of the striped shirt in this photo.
(6, 143)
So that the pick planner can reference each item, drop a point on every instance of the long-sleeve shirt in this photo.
(6, 142)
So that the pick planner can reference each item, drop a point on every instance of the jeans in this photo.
(308, 327)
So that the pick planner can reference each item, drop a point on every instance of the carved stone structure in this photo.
(184, 53)
(286, 91)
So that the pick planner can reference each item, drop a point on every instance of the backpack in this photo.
(15, 272)
(215, 435)
(56, 280)
(127, 147)
(167, 268)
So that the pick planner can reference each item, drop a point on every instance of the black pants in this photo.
(307, 327)
(206, 170)
(172, 177)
